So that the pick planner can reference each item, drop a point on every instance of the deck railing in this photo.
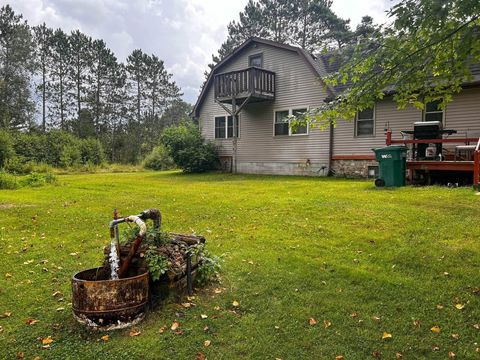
(476, 166)
(250, 81)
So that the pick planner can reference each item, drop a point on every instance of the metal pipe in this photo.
(189, 274)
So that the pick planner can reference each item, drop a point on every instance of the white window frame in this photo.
(374, 124)
(433, 112)
(290, 113)
(226, 116)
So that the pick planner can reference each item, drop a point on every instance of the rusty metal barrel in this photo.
(100, 302)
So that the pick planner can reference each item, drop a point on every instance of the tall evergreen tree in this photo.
(81, 61)
(16, 66)
(43, 39)
(61, 86)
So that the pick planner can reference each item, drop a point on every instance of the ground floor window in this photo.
(433, 112)
(283, 121)
(224, 127)
(365, 122)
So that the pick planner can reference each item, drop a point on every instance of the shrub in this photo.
(188, 148)
(8, 181)
(36, 179)
(158, 159)
(16, 165)
(91, 151)
(6, 148)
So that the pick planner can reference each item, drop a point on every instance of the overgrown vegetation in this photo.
(189, 150)
(159, 159)
(157, 264)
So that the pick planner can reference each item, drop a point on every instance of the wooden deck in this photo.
(440, 165)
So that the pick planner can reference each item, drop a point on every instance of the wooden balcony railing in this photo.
(255, 82)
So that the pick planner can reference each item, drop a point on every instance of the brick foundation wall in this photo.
(352, 168)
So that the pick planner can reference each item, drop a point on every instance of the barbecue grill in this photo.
(426, 130)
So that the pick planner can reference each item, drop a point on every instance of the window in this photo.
(282, 123)
(433, 112)
(256, 60)
(365, 122)
(224, 127)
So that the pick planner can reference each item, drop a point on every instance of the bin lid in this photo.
(391, 148)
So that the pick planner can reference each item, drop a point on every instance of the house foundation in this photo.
(355, 168)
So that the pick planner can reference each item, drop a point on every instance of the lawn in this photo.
(360, 261)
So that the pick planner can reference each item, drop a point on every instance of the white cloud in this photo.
(184, 33)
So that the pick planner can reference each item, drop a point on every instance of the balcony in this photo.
(252, 84)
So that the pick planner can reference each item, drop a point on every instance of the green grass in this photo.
(295, 248)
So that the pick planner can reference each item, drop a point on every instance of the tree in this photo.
(424, 55)
(61, 86)
(43, 40)
(16, 67)
(80, 63)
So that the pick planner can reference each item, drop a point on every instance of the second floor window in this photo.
(433, 112)
(256, 60)
(365, 122)
(224, 127)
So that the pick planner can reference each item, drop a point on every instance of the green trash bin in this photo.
(392, 162)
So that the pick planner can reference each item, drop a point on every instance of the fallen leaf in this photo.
(56, 293)
(206, 328)
(73, 254)
(459, 306)
(204, 316)
(48, 340)
(398, 355)
(439, 307)
(456, 336)
(217, 291)
(31, 321)
(312, 321)
(354, 314)
(179, 332)
(20, 355)
(105, 337)
(376, 354)
(187, 305)
(376, 318)
(190, 298)
(416, 323)
(200, 356)
(235, 303)
(8, 275)
(451, 354)
(6, 314)
(476, 326)
(36, 358)
(175, 325)
(216, 308)
(207, 343)
(60, 308)
(162, 329)
(339, 357)
(134, 333)
(435, 347)
(435, 329)
(386, 335)
(326, 324)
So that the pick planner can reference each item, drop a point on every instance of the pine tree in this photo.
(80, 63)
(61, 87)
(43, 39)
(16, 67)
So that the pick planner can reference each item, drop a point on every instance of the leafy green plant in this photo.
(158, 159)
(6, 148)
(189, 149)
(8, 181)
(157, 264)
(209, 268)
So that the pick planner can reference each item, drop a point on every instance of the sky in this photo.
(183, 33)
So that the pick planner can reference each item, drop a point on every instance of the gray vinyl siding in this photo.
(462, 114)
(296, 86)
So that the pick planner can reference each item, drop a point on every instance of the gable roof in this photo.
(311, 61)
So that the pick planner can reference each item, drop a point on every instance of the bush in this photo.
(36, 180)
(188, 148)
(16, 166)
(91, 152)
(6, 148)
(158, 159)
(8, 181)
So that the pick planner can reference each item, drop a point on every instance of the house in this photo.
(265, 82)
